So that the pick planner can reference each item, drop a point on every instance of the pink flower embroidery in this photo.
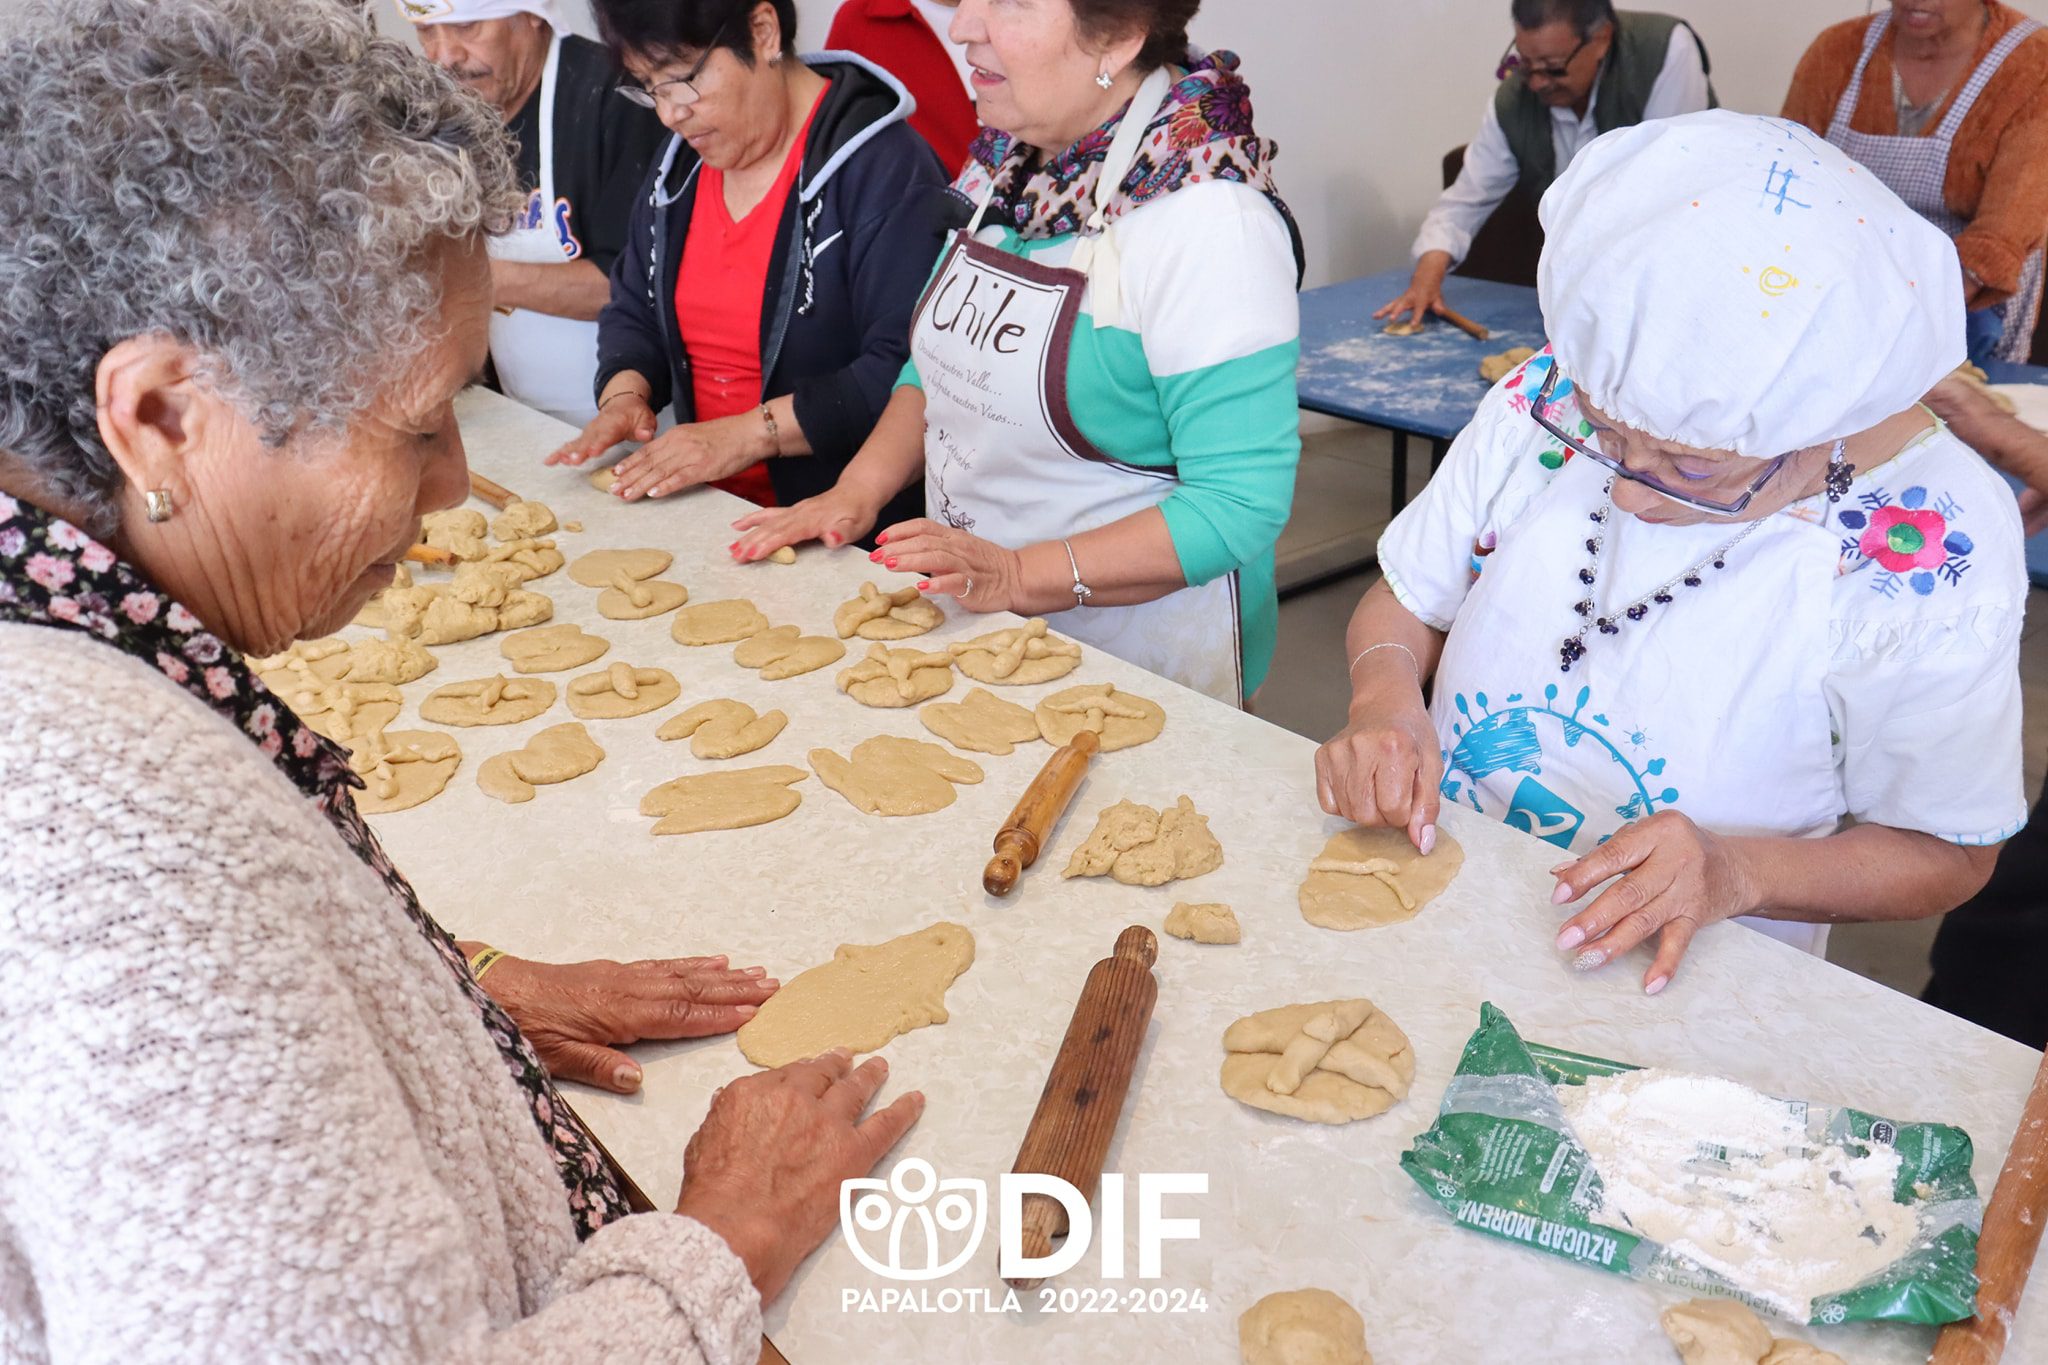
(181, 620)
(141, 607)
(172, 667)
(221, 683)
(9, 508)
(65, 536)
(1903, 539)
(12, 543)
(271, 745)
(53, 573)
(64, 608)
(96, 558)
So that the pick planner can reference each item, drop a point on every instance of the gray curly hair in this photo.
(261, 180)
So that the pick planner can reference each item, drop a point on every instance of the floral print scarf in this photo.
(53, 574)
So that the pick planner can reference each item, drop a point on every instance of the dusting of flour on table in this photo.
(1730, 1179)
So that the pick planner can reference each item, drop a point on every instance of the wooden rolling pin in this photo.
(496, 494)
(1022, 836)
(1083, 1097)
(429, 554)
(2006, 1245)
(1464, 324)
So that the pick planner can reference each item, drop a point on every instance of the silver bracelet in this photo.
(1082, 592)
(1386, 644)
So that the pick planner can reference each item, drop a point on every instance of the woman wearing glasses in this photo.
(1702, 596)
(772, 266)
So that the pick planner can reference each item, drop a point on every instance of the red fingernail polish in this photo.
(924, 587)
(889, 563)
(882, 539)
(875, 558)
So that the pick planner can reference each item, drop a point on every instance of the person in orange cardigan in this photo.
(1946, 101)
(907, 38)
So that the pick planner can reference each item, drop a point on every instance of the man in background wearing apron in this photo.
(583, 154)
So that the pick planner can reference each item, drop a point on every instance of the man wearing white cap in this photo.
(583, 155)
(1706, 598)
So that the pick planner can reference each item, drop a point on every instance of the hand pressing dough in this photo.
(723, 729)
(459, 531)
(982, 722)
(630, 599)
(556, 754)
(488, 701)
(1122, 719)
(523, 521)
(785, 555)
(1716, 1332)
(622, 691)
(1019, 656)
(785, 652)
(552, 649)
(724, 800)
(1204, 923)
(895, 678)
(878, 615)
(1140, 846)
(1302, 1327)
(718, 623)
(889, 775)
(599, 568)
(1403, 329)
(403, 769)
(1366, 878)
(531, 559)
(603, 479)
(1495, 368)
(865, 996)
(1332, 1062)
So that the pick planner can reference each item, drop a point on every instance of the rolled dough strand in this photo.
(1379, 869)
(637, 592)
(1318, 1035)
(901, 666)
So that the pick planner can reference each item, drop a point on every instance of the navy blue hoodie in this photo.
(859, 237)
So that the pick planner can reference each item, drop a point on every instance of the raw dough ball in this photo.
(459, 531)
(723, 729)
(635, 600)
(893, 678)
(889, 775)
(603, 479)
(1365, 878)
(523, 521)
(598, 568)
(551, 649)
(531, 559)
(1203, 923)
(1302, 1327)
(725, 800)
(556, 754)
(1140, 846)
(403, 769)
(878, 615)
(396, 660)
(863, 997)
(621, 691)
(1495, 368)
(1019, 656)
(1402, 329)
(1716, 1332)
(785, 652)
(718, 623)
(785, 555)
(1332, 1062)
(982, 722)
(1122, 719)
(1786, 1351)
(488, 701)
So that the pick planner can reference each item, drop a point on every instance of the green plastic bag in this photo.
(1501, 1159)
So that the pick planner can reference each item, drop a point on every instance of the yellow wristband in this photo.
(484, 961)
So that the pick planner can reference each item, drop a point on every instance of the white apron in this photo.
(1916, 168)
(1712, 705)
(545, 362)
(1004, 457)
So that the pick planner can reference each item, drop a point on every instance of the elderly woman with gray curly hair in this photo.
(257, 1107)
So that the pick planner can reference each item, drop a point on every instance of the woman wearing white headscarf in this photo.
(1706, 598)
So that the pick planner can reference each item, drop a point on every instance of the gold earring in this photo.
(158, 502)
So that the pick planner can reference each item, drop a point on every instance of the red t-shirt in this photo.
(720, 288)
(895, 37)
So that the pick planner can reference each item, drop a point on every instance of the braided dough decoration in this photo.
(632, 599)
(1140, 846)
(895, 678)
(1122, 719)
(488, 701)
(556, 754)
(1331, 1062)
(878, 615)
(403, 769)
(723, 728)
(1365, 878)
(620, 691)
(889, 775)
(724, 800)
(550, 649)
(1019, 656)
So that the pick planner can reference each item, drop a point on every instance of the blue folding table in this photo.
(2005, 373)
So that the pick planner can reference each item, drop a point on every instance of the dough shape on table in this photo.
(488, 701)
(522, 520)
(622, 691)
(477, 603)
(1787, 1351)
(981, 721)
(396, 660)
(724, 800)
(723, 728)
(1122, 719)
(403, 768)
(878, 615)
(785, 555)
(530, 559)
(1403, 329)
(603, 479)
(895, 678)
(484, 584)
(1302, 1327)
(865, 996)
(718, 623)
(890, 775)
(460, 531)
(556, 754)
(786, 652)
(1336, 1061)
(1017, 657)
(599, 568)
(1715, 1332)
(372, 614)
(552, 649)
(1140, 846)
(1495, 368)
(325, 659)
(633, 599)
(1366, 878)
(343, 712)
(1209, 923)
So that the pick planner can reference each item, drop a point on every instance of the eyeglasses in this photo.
(680, 91)
(1513, 60)
(1580, 445)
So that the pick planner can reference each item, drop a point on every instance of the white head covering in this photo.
(424, 12)
(1736, 283)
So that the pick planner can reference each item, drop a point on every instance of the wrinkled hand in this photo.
(764, 1170)
(1424, 294)
(838, 516)
(626, 418)
(1676, 879)
(577, 1013)
(979, 574)
(2034, 510)
(686, 456)
(1384, 768)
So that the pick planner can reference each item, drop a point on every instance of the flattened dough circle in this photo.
(735, 799)
(1375, 877)
(982, 722)
(1335, 1061)
(717, 623)
(1123, 719)
(1302, 1327)
(865, 996)
(488, 701)
(596, 569)
(620, 691)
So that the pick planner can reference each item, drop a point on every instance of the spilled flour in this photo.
(1729, 1178)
